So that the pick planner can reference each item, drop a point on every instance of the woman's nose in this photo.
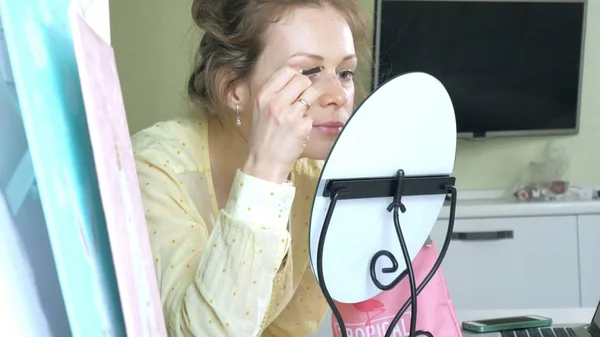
(333, 92)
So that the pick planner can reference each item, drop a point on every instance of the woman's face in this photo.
(307, 38)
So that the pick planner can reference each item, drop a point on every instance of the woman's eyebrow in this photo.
(319, 57)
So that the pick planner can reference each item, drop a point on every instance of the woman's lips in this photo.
(329, 128)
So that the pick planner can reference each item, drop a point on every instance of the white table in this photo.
(559, 316)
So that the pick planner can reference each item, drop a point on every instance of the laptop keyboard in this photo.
(540, 332)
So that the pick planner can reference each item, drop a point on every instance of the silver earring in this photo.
(238, 121)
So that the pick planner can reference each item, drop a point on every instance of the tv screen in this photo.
(511, 68)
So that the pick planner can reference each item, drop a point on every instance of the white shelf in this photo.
(496, 204)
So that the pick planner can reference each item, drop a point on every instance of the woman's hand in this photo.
(280, 125)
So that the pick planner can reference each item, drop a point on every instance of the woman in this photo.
(228, 193)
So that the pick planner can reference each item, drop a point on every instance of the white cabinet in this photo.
(512, 263)
(589, 255)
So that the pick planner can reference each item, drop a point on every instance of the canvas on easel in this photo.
(117, 178)
(46, 78)
(96, 14)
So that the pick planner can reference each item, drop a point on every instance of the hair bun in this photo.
(207, 12)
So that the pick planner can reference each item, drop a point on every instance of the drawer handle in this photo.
(482, 236)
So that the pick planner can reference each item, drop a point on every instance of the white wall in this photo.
(154, 45)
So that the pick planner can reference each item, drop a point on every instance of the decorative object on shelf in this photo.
(584, 193)
(544, 180)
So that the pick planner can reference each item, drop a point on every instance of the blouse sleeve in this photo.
(213, 282)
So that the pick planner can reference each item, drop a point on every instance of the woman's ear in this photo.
(233, 93)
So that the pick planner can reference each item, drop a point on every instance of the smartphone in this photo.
(507, 323)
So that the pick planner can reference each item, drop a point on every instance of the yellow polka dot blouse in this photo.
(239, 271)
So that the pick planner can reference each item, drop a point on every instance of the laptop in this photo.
(558, 330)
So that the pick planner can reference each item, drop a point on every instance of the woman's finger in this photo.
(279, 80)
(305, 101)
(292, 91)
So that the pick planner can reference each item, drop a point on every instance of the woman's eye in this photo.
(346, 75)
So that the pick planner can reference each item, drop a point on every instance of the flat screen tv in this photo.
(512, 68)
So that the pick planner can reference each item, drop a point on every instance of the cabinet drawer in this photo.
(512, 263)
(589, 252)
